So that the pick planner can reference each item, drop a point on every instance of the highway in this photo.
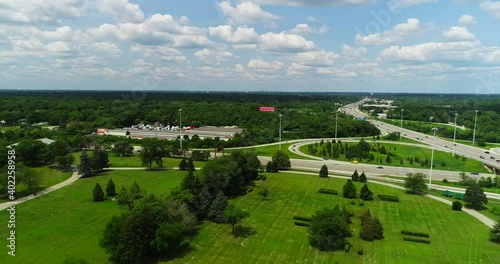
(491, 159)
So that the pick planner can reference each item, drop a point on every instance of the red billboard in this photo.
(266, 109)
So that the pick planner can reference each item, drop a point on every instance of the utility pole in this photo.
(454, 135)
(180, 127)
(401, 134)
(280, 115)
(432, 156)
(474, 135)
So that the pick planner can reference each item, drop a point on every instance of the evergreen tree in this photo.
(355, 176)
(271, 166)
(110, 188)
(495, 233)
(362, 177)
(182, 164)
(216, 209)
(346, 214)
(98, 194)
(125, 199)
(135, 191)
(365, 193)
(323, 172)
(190, 165)
(349, 190)
(85, 166)
(282, 160)
(189, 182)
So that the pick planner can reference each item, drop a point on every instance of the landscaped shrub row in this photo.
(417, 240)
(388, 198)
(328, 191)
(301, 223)
(409, 233)
(301, 218)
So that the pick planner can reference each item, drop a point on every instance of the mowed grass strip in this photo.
(67, 223)
(275, 238)
(270, 150)
(405, 152)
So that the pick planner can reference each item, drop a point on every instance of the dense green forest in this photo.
(432, 108)
(76, 114)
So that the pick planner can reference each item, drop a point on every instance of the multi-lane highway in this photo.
(491, 159)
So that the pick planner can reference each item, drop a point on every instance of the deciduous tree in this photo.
(415, 183)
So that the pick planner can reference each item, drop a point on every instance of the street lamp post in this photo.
(337, 120)
(180, 127)
(401, 134)
(280, 115)
(432, 156)
(474, 134)
(454, 135)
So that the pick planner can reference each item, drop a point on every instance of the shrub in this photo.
(301, 218)
(388, 198)
(264, 178)
(353, 202)
(328, 191)
(456, 206)
(423, 241)
(361, 203)
(300, 223)
(360, 251)
(347, 247)
(445, 181)
(98, 194)
(249, 189)
(416, 234)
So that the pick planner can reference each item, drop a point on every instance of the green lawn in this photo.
(469, 143)
(48, 177)
(405, 152)
(456, 237)
(270, 150)
(67, 223)
(135, 161)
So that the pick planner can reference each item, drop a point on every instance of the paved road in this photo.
(444, 145)
(67, 182)
(484, 219)
(374, 169)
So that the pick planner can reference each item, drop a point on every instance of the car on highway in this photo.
(380, 167)
(325, 158)
(492, 157)
(487, 152)
(482, 157)
(474, 173)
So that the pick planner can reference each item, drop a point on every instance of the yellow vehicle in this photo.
(354, 162)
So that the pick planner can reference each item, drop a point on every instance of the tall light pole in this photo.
(180, 127)
(454, 135)
(432, 156)
(337, 120)
(401, 134)
(280, 115)
(474, 134)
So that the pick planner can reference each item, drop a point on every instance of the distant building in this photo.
(41, 124)
(47, 141)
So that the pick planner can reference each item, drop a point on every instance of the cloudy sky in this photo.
(449, 46)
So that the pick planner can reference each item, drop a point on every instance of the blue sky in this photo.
(412, 46)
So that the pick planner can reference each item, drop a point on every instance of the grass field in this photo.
(135, 161)
(469, 143)
(67, 223)
(48, 177)
(405, 152)
(270, 150)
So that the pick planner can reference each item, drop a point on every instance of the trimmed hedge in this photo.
(328, 191)
(347, 247)
(360, 251)
(416, 234)
(301, 223)
(301, 218)
(417, 240)
(389, 198)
